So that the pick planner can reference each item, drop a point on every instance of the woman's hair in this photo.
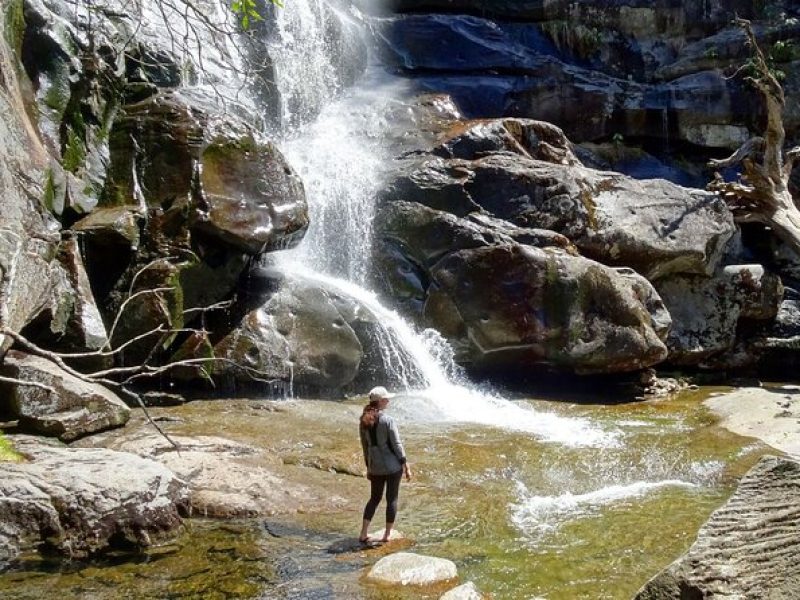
(370, 413)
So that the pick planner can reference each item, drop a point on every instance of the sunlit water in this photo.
(520, 517)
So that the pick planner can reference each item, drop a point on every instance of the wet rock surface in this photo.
(748, 548)
(69, 409)
(79, 502)
(296, 335)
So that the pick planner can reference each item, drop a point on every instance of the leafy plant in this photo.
(784, 51)
(247, 11)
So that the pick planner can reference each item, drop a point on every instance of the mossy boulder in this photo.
(173, 150)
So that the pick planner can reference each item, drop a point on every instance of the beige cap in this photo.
(379, 392)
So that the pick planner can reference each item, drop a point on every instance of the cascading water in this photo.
(340, 152)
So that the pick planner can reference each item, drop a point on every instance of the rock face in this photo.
(406, 568)
(644, 71)
(749, 548)
(706, 311)
(82, 501)
(73, 409)
(28, 235)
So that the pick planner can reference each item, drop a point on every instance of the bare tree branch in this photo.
(36, 384)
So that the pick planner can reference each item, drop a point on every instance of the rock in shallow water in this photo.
(748, 549)
(79, 501)
(407, 568)
(467, 591)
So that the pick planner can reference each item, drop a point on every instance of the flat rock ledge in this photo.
(407, 568)
(749, 549)
(466, 591)
(80, 501)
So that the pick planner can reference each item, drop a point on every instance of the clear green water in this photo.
(521, 518)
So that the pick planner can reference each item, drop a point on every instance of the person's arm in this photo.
(362, 433)
(396, 444)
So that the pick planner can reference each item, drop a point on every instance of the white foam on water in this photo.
(535, 515)
(432, 396)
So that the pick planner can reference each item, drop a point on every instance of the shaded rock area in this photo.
(651, 73)
(706, 311)
(79, 502)
(407, 568)
(65, 407)
(748, 548)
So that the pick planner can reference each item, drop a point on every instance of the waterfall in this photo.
(337, 145)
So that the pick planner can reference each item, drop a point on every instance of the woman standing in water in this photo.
(385, 458)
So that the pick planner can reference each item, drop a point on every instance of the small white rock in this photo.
(406, 568)
(467, 591)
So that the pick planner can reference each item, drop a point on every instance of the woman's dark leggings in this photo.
(392, 483)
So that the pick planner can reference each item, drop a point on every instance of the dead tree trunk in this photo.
(762, 193)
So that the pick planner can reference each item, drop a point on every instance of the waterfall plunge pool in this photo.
(522, 517)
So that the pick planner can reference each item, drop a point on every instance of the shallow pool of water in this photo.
(521, 517)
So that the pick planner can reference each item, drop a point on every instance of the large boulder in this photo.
(80, 501)
(749, 548)
(232, 185)
(407, 568)
(706, 311)
(296, 335)
(653, 226)
(509, 305)
(69, 409)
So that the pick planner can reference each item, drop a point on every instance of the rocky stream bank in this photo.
(538, 210)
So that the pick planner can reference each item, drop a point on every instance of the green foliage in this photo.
(711, 52)
(247, 11)
(14, 23)
(577, 38)
(784, 51)
(7, 452)
(74, 151)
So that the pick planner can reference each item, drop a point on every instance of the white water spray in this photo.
(341, 158)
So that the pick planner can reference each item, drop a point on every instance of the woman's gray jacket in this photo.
(383, 450)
